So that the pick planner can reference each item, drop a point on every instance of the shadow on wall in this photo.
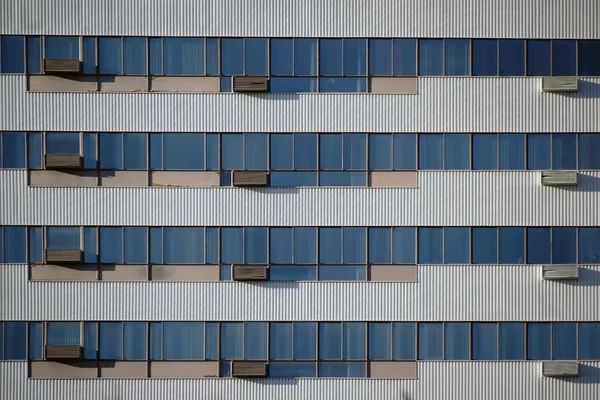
(587, 277)
(588, 374)
(587, 90)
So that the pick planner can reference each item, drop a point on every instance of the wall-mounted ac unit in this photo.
(63, 256)
(59, 66)
(63, 352)
(553, 84)
(60, 161)
(559, 178)
(249, 273)
(249, 178)
(250, 84)
(249, 369)
(560, 272)
(560, 368)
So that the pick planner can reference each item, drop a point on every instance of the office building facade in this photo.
(313, 200)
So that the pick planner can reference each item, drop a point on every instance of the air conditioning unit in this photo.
(63, 352)
(63, 256)
(560, 272)
(559, 178)
(250, 178)
(249, 369)
(553, 84)
(249, 272)
(560, 368)
(61, 161)
(59, 66)
(250, 84)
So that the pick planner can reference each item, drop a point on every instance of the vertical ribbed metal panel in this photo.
(444, 198)
(443, 293)
(430, 18)
(443, 105)
(473, 380)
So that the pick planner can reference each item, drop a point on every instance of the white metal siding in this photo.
(443, 105)
(427, 18)
(443, 198)
(437, 380)
(443, 293)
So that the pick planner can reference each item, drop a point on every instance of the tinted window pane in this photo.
(256, 151)
(156, 151)
(405, 57)
(405, 151)
(256, 56)
(456, 245)
(292, 85)
(111, 151)
(564, 57)
(588, 340)
(485, 242)
(564, 340)
(380, 57)
(232, 151)
(342, 272)
(255, 245)
(538, 340)
(330, 340)
(36, 338)
(430, 340)
(61, 47)
(456, 341)
(305, 57)
(355, 151)
(232, 246)
(292, 272)
(485, 151)
(564, 245)
(457, 151)
(62, 143)
(589, 58)
(63, 332)
(63, 237)
(13, 148)
(134, 340)
(281, 245)
(512, 340)
(330, 151)
(485, 57)
(512, 151)
(355, 245)
(111, 245)
(564, 151)
(183, 150)
(90, 250)
(342, 369)
(330, 245)
(212, 56)
(35, 244)
(457, 56)
(430, 246)
(89, 150)
(380, 341)
(355, 57)
(136, 151)
(12, 54)
(292, 179)
(538, 245)
(110, 345)
(403, 245)
(279, 369)
(15, 340)
(34, 54)
(255, 340)
(484, 341)
(589, 245)
(305, 245)
(538, 151)
(380, 245)
(330, 57)
(355, 340)
(538, 57)
(589, 148)
(15, 244)
(431, 57)
(305, 345)
(280, 341)
(404, 340)
(342, 85)
(156, 56)
(282, 151)
(512, 57)
(110, 56)
(232, 340)
(134, 56)
(431, 151)
(305, 151)
(34, 142)
(380, 151)
(511, 242)
(89, 55)
(232, 50)
(136, 244)
(185, 340)
(282, 57)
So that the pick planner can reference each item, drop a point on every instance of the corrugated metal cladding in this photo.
(444, 198)
(443, 293)
(443, 105)
(436, 380)
(430, 18)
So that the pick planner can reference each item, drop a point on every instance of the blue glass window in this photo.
(538, 151)
(380, 341)
(380, 57)
(13, 147)
(181, 151)
(36, 339)
(156, 151)
(90, 251)
(62, 143)
(431, 57)
(355, 245)
(15, 340)
(156, 340)
(485, 57)
(457, 57)
(430, 246)
(355, 57)
(564, 341)
(134, 340)
(330, 245)
(588, 340)
(232, 246)
(331, 57)
(255, 245)
(111, 245)
(485, 151)
(457, 151)
(90, 333)
(111, 150)
(256, 153)
(15, 248)
(256, 55)
(34, 55)
(485, 246)
(538, 246)
(63, 333)
(110, 56)
(305, 151)
(305, 245)
(156, 56)
(34, 153)
(63, 237)
(305, 57)
(280, 341)
(456, 245)
(292, 85)
(431, 340)
(89, 55)
(305, 347)
(380, 245)
(511, 245)
(232, 151)
(342, 272)
(281, 245)
(136, 248)
(380, 151)
(282, 151)
(484, 341)
(342, 369)
(282, 57)
(35, 244)
(512, 151)
(404, 246)
(292, 272)
(589, 245)
(405, 151)
(512, 57)
(61, 47)
(404, 338)
(539, 341)
(184, 340)
(1, 249)
(291, 369)
(564, 245)
(355, 151)
(331, 150)
(456, 340)
(183, 245)
(564, 57)
(330, 340)
(212, 56)
(12, 54)
(134, 56)
(342, 85)
(431, 151)
(232, 52)
(405, 57)
(538, 57)
(135, 151)
(183, 56)
(255, 340)
(111, 340)
(564, 151)
(589, 57)
(89, 150)
(355, 341)
(589, 148)
(511, 337)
